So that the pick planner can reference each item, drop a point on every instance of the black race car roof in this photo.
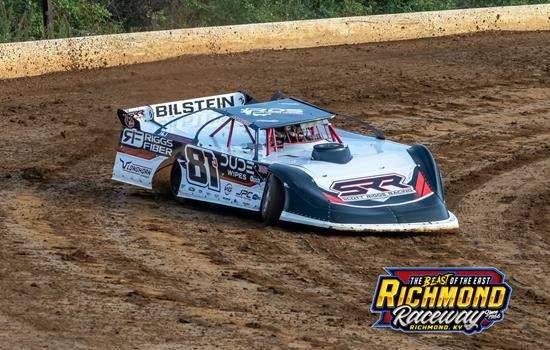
(276, 114)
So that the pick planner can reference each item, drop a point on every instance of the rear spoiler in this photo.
(164, 112)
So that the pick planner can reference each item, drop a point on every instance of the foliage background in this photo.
(22, 19)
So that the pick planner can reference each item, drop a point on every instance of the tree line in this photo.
(24, 19)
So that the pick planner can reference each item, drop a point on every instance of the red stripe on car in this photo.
(419, 188)
(333, 199)
(137, 152)
(422, 188)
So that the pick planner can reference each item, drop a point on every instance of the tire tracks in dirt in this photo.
(118, 267)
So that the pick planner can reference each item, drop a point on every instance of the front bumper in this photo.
(306, 203)
(431, 226)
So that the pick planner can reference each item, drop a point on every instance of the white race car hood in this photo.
(370, 159)
(378, 171)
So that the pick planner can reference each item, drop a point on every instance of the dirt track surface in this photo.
(89, 263)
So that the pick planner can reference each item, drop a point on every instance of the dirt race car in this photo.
(284, 159)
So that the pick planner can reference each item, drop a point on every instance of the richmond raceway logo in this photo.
(466, 300)
(372, 188)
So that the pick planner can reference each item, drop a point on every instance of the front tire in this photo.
(272, 201)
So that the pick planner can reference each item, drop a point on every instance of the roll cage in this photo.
(272, 125)
(274, 138)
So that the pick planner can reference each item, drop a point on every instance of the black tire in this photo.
(161, 179)
(272, 201)
(175, 180)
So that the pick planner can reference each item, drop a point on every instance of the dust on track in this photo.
(89, 263)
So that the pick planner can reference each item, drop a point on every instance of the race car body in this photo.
(284, 159)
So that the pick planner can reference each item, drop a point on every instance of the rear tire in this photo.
(272, 201)
(175, 180)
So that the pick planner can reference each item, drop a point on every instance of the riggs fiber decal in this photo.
(186, 107)
(372, 188)
(466, 300)
(146, 141)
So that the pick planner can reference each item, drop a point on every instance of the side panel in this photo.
(221, 178)
(139, 156)
(135, 170)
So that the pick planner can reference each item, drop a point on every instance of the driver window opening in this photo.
(276, 138)
(231, 133)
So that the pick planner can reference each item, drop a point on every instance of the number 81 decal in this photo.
(202, 168)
